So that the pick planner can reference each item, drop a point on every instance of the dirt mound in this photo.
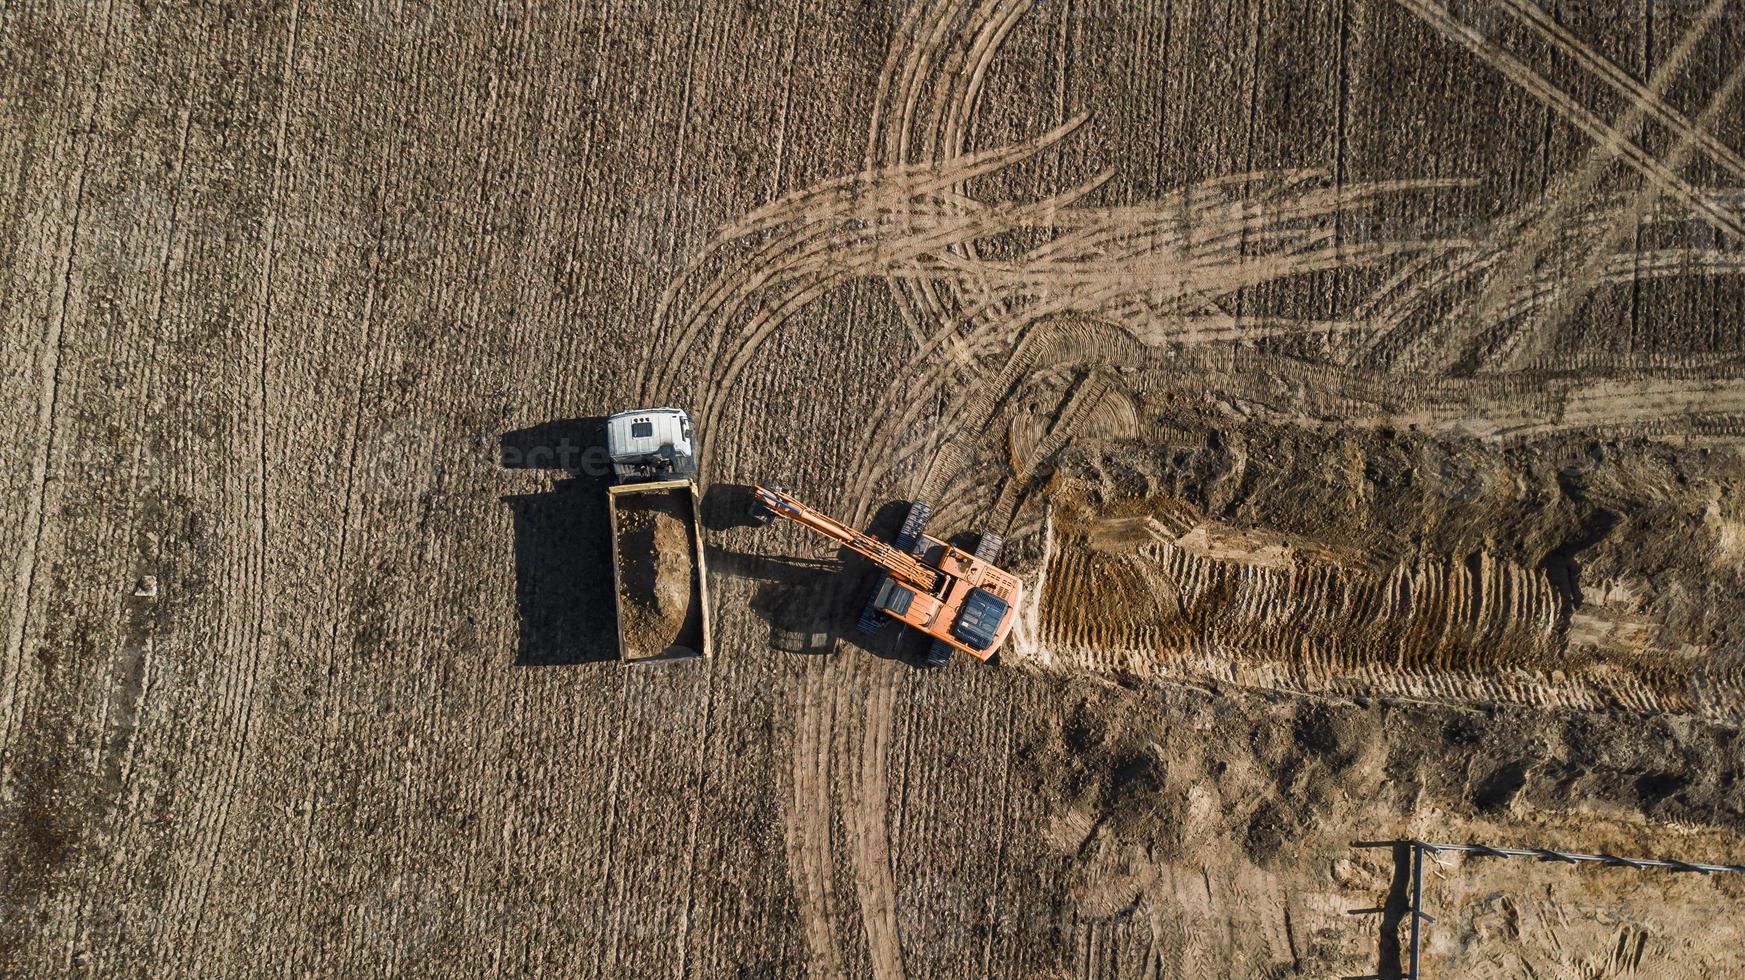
(656, 590)
(1173, 804)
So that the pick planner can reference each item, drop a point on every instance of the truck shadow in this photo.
(810, 603)
(575, 446)
(563, 545)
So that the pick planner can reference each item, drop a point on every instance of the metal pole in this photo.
(1419, 847)
(1417, 900)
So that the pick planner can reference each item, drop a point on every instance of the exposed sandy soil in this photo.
(1358, 386)
(656, 590)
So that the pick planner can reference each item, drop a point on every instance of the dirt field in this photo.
(1359, 386)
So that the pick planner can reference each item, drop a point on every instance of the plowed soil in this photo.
(1358, 386)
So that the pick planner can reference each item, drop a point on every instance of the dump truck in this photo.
(958, 598)
(657, 542)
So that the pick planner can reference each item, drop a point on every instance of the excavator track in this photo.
(871, 617)
(914, 525)
(988, 548)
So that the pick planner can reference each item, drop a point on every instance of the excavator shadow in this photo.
(811, 603)
(563, 545)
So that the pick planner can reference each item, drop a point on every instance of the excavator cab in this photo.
(889, 597)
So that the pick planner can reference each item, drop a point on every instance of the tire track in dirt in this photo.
(955, 267)
(1624, 226)
(1212, 229)
(54, 240)
(1681, 397)
(1405, 341)
(148, 673)
(954, 104)
(1645, 100)
(916, 303)
(840, 226)
(48, 375)
(819, 254)
(811, 839)
(1567, 196)
(351, 517)
(868, 806)
(808, 824)
(1200, 330)
(106, 530)
(252, 651)
(1626, 149)
(865, 814)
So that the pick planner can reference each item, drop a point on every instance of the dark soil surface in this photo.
(1358, 386)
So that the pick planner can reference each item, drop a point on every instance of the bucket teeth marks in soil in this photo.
(1219, 604)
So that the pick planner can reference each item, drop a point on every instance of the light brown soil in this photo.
(1366, 419)
(657, 593)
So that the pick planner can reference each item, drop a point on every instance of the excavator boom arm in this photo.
(900, 564)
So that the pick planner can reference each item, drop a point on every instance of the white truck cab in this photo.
(651, 444)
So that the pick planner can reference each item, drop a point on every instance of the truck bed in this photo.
(658, 573)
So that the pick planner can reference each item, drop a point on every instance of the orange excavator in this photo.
(958, 598)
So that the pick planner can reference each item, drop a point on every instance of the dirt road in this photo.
(1358, 386)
